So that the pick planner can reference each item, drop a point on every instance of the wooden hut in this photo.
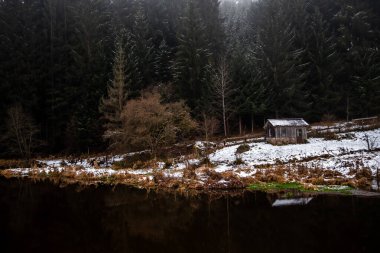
(286, 131)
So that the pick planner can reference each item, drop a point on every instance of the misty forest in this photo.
(92, 75)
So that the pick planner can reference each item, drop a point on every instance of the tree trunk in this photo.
(240, 125)
(224, 115)
(205, 126)
(348, 108)
(252, 123)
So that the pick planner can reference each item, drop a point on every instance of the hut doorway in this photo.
(299, 136)
(271, 133)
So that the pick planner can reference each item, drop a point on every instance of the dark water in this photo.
(41, 217)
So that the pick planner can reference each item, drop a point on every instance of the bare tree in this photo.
(209, 125)
(222, 90)
(21, 131)
(371, 142)
(377, 173)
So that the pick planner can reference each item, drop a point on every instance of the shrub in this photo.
(302, 171)
(238, 161)
(271, 177)
(349, 136)
(8, 164)
(316, 180)
(371, 142)
(242, 148)
(189, 172)
(63, 163)
(206, 161)
(149, 124)
(364, 173)
(331, 136)
(138, 165)
(168, 165)
(130, 161)
(214, 175)
(363, 183)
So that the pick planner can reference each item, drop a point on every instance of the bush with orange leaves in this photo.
(149, 124)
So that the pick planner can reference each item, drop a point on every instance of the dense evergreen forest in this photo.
(68, 68)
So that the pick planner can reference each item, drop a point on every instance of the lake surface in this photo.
(42, 217)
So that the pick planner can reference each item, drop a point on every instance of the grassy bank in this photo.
(294, 186)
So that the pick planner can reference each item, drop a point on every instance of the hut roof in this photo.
(286, 123)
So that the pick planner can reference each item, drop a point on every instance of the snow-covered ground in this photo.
(343, 155)
(339, 127)
(264, 153)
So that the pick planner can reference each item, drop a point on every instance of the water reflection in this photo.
(291, 202)
(40, 217)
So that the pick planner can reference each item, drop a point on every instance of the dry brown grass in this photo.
(229, 176)
(331, 174)
(9, 164)
(233, 184)
(213, 175)
(270, 175)
(250, 180)
(302, 171)
(363, 183)
(68, 173)
(315, 172)
(9, 173)
(363, 173)
(162, 181)
(315, 180)
(189, 172)
(121, 177)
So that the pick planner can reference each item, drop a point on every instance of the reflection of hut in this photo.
(286, 131)
(291, 202)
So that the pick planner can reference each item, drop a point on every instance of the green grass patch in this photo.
(275, 186)
(333, 189)
(299, 187)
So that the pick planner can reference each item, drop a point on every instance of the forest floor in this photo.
(342, 156)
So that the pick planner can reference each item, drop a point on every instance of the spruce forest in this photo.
(90, 75)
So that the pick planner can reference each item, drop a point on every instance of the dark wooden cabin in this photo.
(286, 131)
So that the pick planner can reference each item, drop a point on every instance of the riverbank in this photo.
(341, 159)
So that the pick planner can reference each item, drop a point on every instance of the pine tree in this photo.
(190, 67)
(163, 62)
(92, 59)
(366, 84)
(122, 15)
(143, 47)
(213, 25)
(324, 63)
(279, 61)
(353, 32)
(117, 92)
(239, 47)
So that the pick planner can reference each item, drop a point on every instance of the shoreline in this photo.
(284, 193)
(342, 163)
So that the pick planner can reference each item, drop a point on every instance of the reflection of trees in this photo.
(123, 219)
(146, 219)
